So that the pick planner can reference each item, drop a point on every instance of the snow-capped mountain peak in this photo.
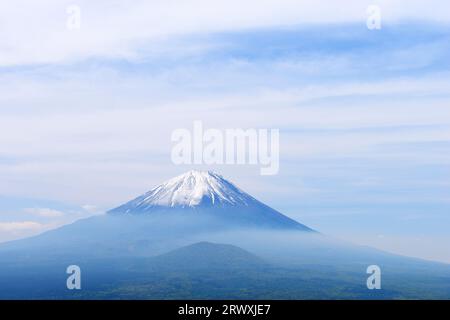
(206, 196)
(194, 188)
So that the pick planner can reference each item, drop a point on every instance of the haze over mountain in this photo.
(195, 205)
(200, 236)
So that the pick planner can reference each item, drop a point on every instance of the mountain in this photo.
(207, 194)
(206, 270)
(191, 189)
(183, 209)
(208, 256)
(198, 236)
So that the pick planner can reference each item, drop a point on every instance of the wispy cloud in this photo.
(12, 230)
(118, 30)
(44, 212)
(20, 226)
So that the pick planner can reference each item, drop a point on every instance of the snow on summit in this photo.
(208, 195)
(194, 188)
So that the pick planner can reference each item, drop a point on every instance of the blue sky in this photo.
(364, 116)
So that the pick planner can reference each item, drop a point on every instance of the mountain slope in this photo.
(207, 195)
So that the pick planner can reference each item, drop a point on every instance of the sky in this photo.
(86, 114)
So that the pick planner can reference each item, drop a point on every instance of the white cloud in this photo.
(120, 30)
(38, 221)
(91, 208)
(57, 139)
(13, 230)
(20, 226)
(45, 212)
